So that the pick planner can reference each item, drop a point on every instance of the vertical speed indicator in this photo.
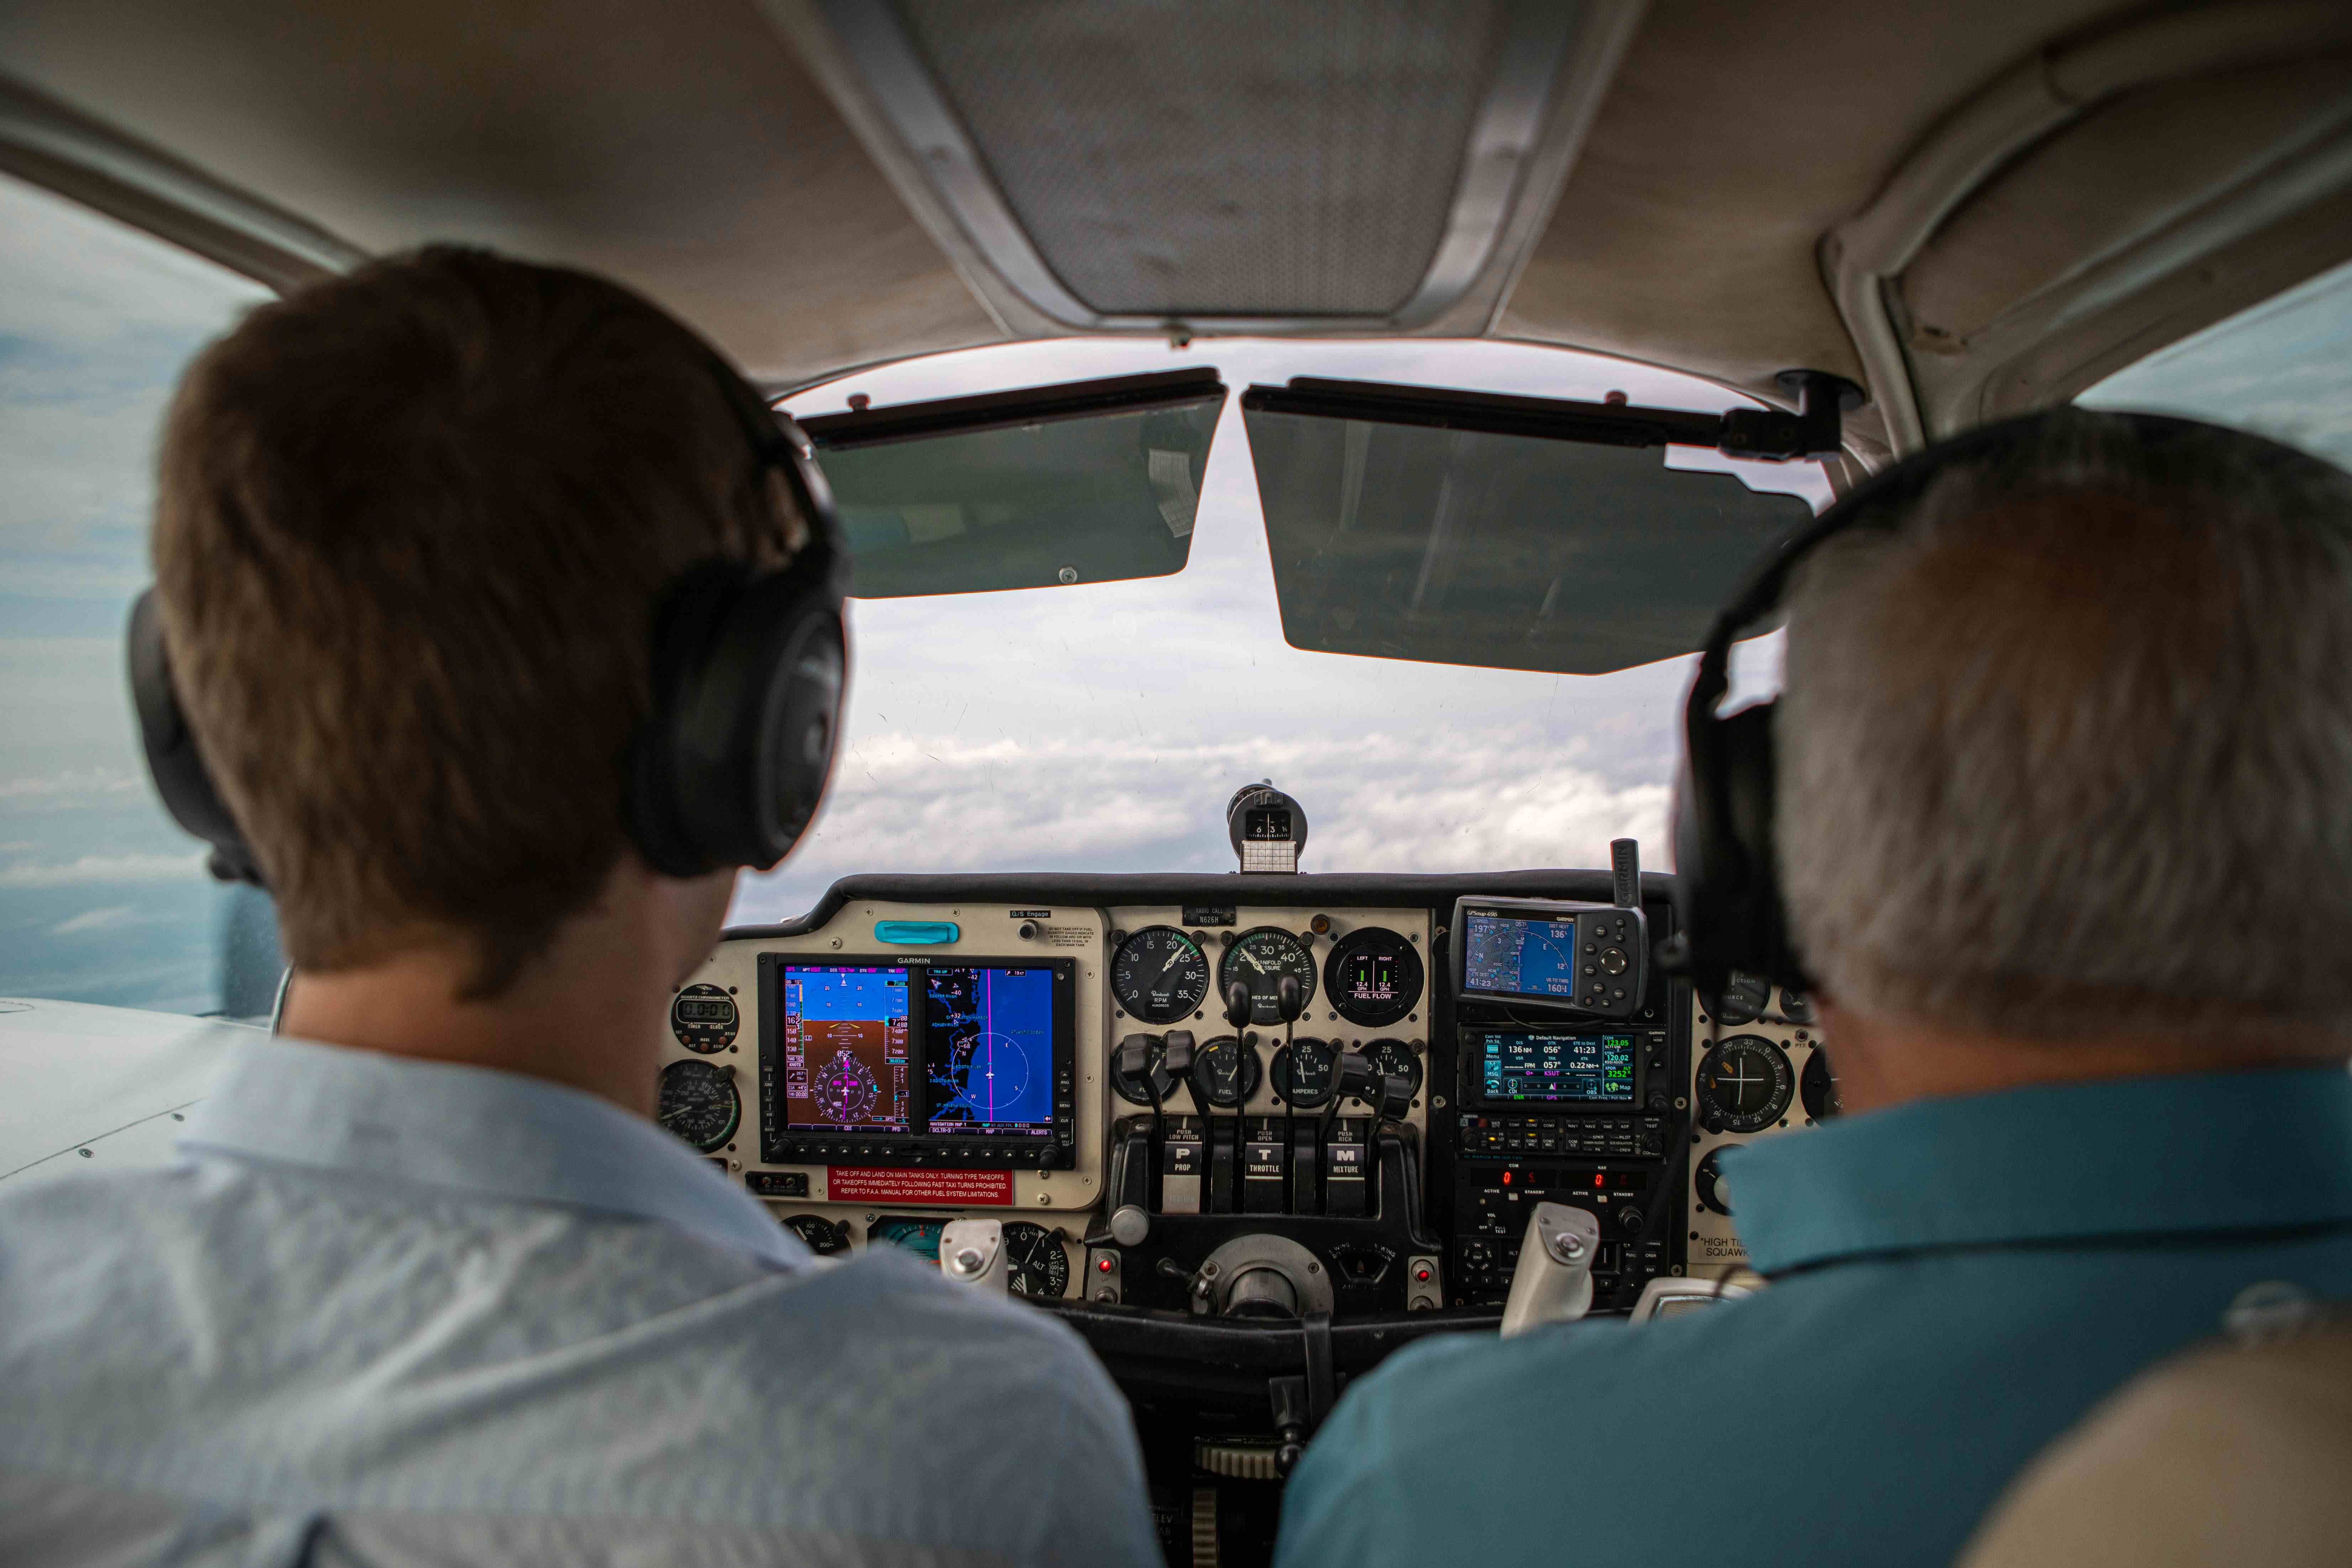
(1159, 975)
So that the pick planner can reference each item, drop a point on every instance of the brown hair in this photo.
(411, 528)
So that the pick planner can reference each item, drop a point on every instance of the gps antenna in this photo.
(1625, 871)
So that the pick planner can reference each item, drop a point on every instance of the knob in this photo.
(1237, 1004)
(1130, 1225)
(1028, 929)
(1629, 1220)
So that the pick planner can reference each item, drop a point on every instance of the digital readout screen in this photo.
(705, 1010)
(988, 1051)
(1581, 1068)
(1370, 977)
(845, 1040)
(1518, 957)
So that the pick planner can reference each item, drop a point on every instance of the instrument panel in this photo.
(1758, 1070)
(877, 1074)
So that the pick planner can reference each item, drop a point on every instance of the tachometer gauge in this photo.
(1745, 1084)
(1819, 1087)
(1034, 1263)
(1395, 1059)
(1259, 958)
(698, 1101)
(1160, 974)
(703, 1018)
(1744, 999)
(1225, 1070)
(1302, 1072)
(1373, 975)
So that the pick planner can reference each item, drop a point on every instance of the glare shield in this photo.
(1508, 533)
(1091, 482)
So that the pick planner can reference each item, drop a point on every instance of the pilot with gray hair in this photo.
(2055, 815)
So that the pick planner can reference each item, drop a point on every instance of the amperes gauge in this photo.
(698, 1101)
(1259, 958)
(1745, 1084)
(1374, 976)
(1395, 1059)
(1159, 975)
(1303, 1072)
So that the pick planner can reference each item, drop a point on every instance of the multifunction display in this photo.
(990, 1060)
(1514, 955)
(882, 1057)
(1520, 1067)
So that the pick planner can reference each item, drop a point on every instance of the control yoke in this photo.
(1553, 1283)
(971, 1252)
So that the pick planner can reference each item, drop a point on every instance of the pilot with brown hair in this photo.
(2063, 803)
(474, 577)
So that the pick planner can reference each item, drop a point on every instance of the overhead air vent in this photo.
(1262, 164)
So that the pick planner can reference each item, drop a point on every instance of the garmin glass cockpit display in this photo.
(896, 1058)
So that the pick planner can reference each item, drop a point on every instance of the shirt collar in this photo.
(499, 1134)
(2185, 1155)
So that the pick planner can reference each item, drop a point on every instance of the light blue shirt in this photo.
(389, 1311)
(1955, 1282)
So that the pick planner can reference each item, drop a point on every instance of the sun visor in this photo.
(1093, 481)
(1510, 533)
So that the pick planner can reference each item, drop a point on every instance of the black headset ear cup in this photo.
(170, 747)
(1726, 861)
(748, 678)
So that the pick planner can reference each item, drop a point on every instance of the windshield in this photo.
(1103, 726)
(2282, 369)
(101, 898)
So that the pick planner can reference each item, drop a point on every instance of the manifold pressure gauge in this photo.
(1267, 827)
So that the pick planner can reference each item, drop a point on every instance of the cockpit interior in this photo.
(1290, 455)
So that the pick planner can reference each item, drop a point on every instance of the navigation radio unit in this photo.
(905, 1060)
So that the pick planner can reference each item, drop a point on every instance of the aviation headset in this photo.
(748, 668)
(1727, 897)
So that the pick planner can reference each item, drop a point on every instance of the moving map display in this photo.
(1519, 957)
(845, 1042)
(989, 1051)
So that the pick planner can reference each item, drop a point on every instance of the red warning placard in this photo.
(954, 1189)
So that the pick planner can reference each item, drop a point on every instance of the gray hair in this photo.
(2067, 749)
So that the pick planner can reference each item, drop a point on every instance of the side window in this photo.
(2280, 369)
(101, 898)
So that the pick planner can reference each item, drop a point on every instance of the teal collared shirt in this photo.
(1956, 1281)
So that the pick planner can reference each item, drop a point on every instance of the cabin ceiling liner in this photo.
(1376, 165)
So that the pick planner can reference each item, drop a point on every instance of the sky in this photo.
(1096, 727)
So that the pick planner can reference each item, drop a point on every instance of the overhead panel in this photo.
(1093, 481)
(1274, 162)
(1516, 534)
